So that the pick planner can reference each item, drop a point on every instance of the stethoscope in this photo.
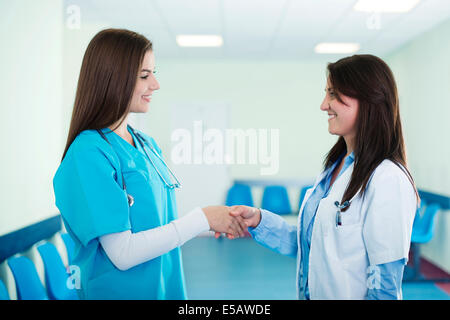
(339, 212)
(342, 206)
(141, 141)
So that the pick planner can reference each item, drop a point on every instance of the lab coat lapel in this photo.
(319, 179)
(341, 183)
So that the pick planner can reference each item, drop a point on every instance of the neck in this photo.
(349, 141)
(122, 129)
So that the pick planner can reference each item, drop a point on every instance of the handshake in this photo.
(233, 221)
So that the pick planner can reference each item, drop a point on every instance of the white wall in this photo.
(267, 95)
(30, 100)
(262, 95)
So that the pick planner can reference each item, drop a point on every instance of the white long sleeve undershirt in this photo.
(127, 250)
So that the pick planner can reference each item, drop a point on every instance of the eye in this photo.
(146, 76)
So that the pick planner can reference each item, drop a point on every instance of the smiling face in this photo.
(342, 113)
(146, 84)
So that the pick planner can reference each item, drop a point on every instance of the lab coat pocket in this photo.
(349, 243)
(352, 216)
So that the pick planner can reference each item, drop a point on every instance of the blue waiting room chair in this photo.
(56, 275)
(4, 295)
(422, 232)
(239, 194)
(70, 246)
(276, 200)
(28, 284)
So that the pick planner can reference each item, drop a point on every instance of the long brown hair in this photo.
(107, 79)
(378, 130)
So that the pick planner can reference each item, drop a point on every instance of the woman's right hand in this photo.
(251, 216)
(221, 221)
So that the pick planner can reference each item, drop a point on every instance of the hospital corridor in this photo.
(258, 150)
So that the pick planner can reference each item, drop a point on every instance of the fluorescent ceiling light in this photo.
(199, 41)
(385, 5)
(340, 47)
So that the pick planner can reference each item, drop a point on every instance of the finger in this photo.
(217, 235)
(239, 227)
(237, 211)
(232, 229)
(243, 222)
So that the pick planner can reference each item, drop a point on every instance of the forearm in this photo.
(127, 250)
(388, 284)
(275, 233)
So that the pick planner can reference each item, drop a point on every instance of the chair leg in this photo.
(416, 257)
(414, 271)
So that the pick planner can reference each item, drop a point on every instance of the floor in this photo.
(241, 269)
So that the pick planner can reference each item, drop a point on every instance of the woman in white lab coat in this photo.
(354, 227)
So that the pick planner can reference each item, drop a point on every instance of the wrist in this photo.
(258, 218)
(207, 215)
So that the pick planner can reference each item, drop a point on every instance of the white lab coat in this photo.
(375, 229)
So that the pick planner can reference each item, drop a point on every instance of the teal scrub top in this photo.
(89, 194)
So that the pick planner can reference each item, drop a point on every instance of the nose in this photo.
(325, 105)
(154, 84)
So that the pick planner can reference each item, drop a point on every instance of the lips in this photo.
(147, 97)
(332, 116)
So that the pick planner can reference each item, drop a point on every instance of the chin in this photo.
(142, 109)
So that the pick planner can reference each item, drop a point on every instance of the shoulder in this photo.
(90, 145)
(392, 177)
(389, 170)
(88, 140)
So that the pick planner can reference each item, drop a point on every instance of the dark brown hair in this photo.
(107, 79)
(378, 127)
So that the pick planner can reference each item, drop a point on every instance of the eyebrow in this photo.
(146, 70)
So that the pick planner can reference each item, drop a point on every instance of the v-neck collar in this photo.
(136, 148)
(135, 140)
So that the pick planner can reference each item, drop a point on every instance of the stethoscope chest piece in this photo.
(339, 212)
(130, 200)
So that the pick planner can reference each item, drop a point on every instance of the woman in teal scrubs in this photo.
(113, 188)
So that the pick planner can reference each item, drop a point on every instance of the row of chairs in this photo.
(274, 199)
(28, 283)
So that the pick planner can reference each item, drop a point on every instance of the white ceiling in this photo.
(262, 29)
